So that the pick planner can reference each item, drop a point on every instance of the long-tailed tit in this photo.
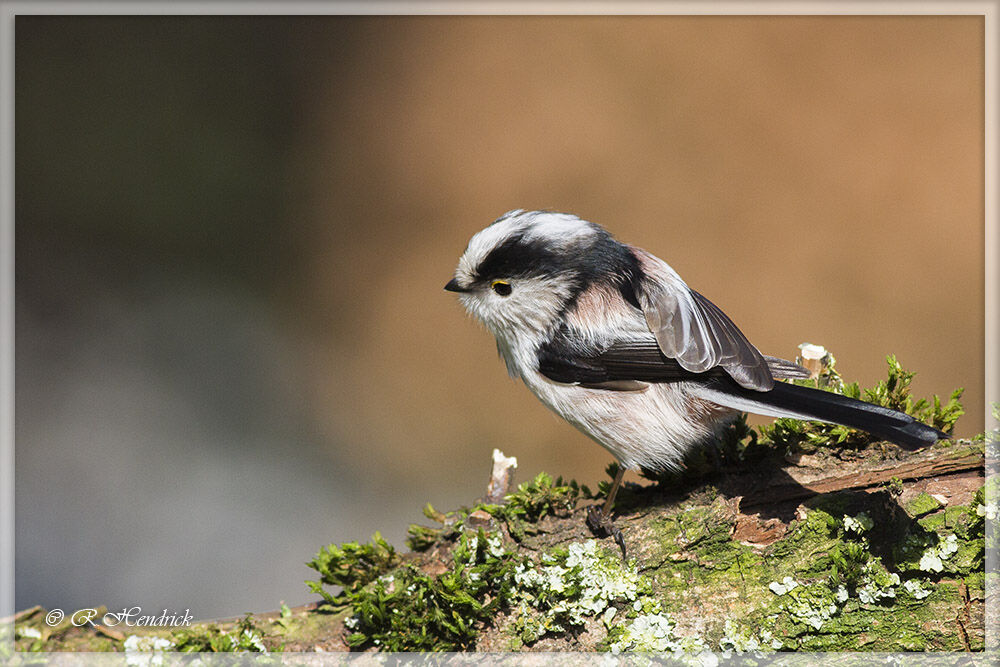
(611, 339)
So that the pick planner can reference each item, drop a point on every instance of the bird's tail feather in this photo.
(790, 400)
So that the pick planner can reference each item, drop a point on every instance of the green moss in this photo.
(853, 572)
(402, 608)
(933, 522)
(808, 543)
(246, 637)
(422, 538)
(884, 604)
(521, 511)
(350, 566)
(922, 504)
(894, 487)
(952, 542)
(838, 580)
(699, 559)
(408, 610)
(535, 500)
(832, 583)
(976, 583)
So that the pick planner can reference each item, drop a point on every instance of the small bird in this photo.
(611, 339)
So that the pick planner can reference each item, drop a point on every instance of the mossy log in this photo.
(870, 550)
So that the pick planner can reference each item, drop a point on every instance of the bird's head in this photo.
(519, 275)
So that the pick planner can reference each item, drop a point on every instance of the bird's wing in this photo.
(692, 330)
(569, 358)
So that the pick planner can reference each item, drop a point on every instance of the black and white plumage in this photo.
(611, 339)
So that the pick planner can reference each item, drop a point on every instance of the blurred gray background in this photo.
(232, 236)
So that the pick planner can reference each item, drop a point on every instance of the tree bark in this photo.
(879, 550)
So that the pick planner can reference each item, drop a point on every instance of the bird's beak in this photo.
(453, 286)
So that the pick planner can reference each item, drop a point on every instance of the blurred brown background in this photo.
(232, 236)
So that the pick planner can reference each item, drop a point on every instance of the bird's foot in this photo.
(602, 525)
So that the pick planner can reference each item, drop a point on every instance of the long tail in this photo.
(789, 400)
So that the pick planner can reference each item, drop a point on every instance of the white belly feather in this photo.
(653, 428)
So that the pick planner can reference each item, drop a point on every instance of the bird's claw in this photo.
(602, 525)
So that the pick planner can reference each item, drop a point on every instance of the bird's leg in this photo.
(609, 503)
(599, 520)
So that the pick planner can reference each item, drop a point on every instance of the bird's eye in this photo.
(501, 287)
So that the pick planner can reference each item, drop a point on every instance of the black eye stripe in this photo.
(596, 258)
(516, 258)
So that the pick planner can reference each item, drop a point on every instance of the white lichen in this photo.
(949, 546)
(933, 557)
(931, 561)
(570, 589)
(656, 633)
(743, 640)
(603, 580)
(145, 649)
(813, 604)
(251, 639)
(494, 545)
(914, 588)
(871, 593)
(876, 583)
(473, 548)
(784, 586)
(859, 524)
(814, 613)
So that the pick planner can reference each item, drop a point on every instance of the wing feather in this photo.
(693, 330)
(623, 364)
